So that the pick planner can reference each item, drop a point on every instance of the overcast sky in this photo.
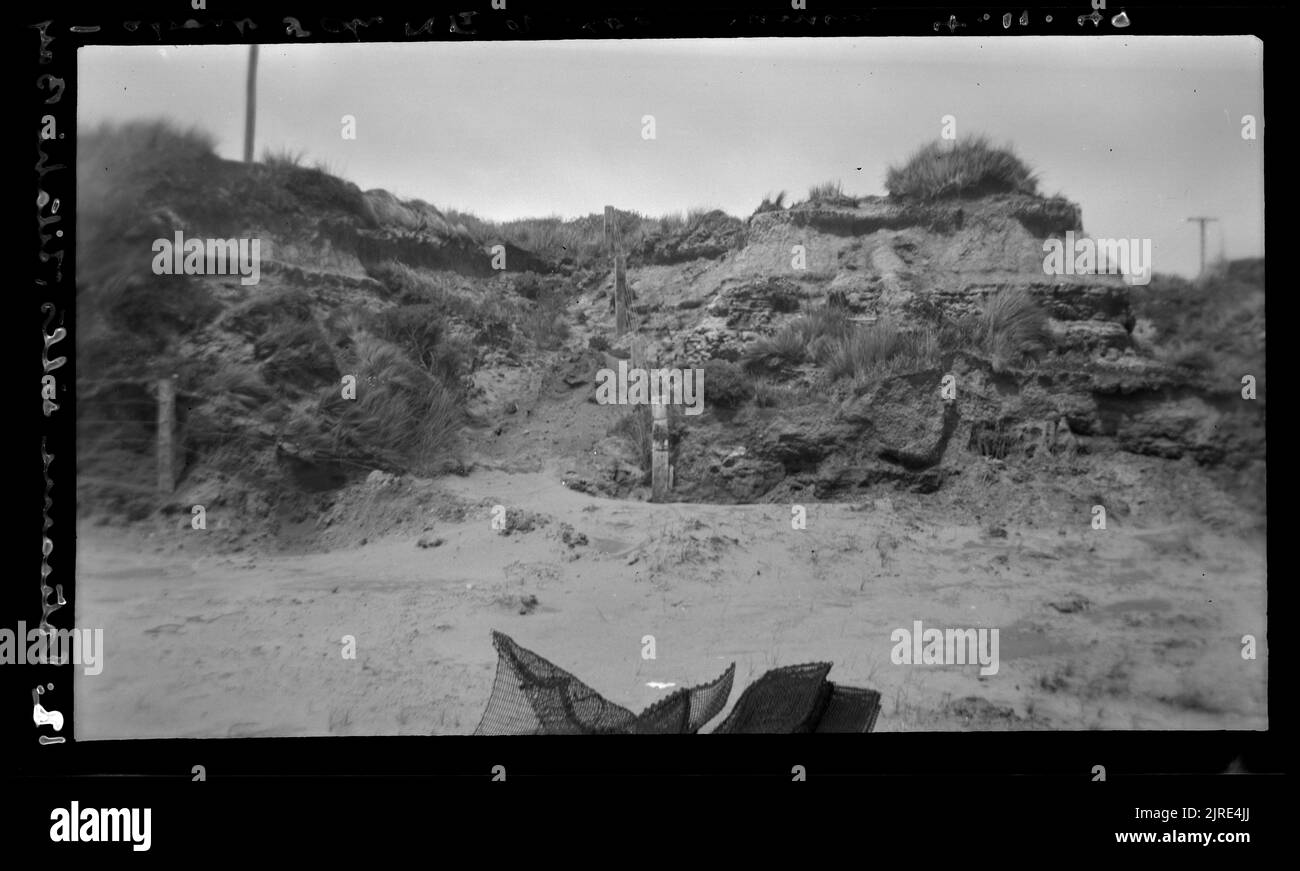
(1142, 132)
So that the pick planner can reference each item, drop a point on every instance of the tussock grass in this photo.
(830, 192)
(492, 313)
(402, 415)
(679, 222)
(771, 204)
(536, 312)
(1010, 329)
(970, 166)
(284, 157)
(785, 347)
(827, 190)
(238, 380)
(421, 331)
(805, 337)
(866, 349)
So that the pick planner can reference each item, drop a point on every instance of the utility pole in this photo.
(250, 108)
(1202, 221)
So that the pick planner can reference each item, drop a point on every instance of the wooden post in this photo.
(622, 298)
(638, 353)
(166, 435)
(660, 474)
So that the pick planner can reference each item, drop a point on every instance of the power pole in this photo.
(250, 109)
(1202, 221)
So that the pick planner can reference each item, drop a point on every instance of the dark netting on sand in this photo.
(850, 709)
(532, 696)
(783, 700)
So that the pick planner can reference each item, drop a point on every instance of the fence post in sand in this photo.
(166, 435)
(622, 299)
(638, 353)
(660, 473)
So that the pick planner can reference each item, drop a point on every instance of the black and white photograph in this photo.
(695, 385)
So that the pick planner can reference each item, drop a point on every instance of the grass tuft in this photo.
(970, 167)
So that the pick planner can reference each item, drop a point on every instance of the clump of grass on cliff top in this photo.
(555, 239)
(969, 167)
(314, 187)
(828, 190)
(771, 204)
(830, 193)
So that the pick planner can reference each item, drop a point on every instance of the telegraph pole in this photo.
(250, 108)
(1202, 221)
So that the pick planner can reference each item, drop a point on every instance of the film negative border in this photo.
(53, 49)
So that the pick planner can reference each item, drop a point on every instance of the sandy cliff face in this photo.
(1114, 375)
(1101, 386)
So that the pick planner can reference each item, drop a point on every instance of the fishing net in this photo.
(783, 700)
(533, 696)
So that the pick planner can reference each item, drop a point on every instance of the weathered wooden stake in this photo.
(622, 299)
(660, 473)
(638, 353)
(166, 435)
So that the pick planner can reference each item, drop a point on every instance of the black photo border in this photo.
(1032, 761)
